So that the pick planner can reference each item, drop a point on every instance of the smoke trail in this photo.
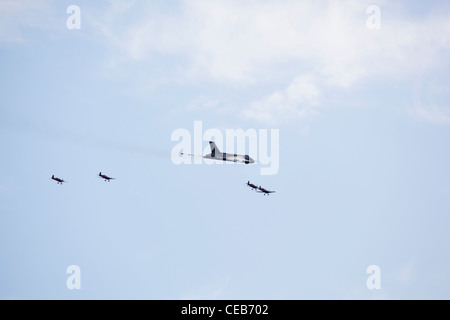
(51, 132)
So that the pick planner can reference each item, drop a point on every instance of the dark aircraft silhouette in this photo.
(259, 189)
(251, 185)
(58, 180)
(265, 191)
(103, 176)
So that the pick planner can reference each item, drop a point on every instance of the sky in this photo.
(358, 92)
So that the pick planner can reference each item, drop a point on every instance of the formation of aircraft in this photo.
(216, 154)
(259, 188)
(58, 180)
(103, 176)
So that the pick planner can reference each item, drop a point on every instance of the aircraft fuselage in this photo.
(230, 157)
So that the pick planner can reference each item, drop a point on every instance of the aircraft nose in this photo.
(251, 160)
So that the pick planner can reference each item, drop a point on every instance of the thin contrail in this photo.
(50, 131)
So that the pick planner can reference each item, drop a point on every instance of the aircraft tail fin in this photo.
(214, 150)
(53, 176)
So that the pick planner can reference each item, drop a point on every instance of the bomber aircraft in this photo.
(216, 154)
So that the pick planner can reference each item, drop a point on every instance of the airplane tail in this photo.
(53, 176)
(214, 150)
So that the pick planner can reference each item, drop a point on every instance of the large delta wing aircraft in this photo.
(217, 155)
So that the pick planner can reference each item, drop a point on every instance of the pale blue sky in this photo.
(364, 122)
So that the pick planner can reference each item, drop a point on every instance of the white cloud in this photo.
(257, 42)
(296, 101)
(431, 114)
(203, 103)
(237, 40)
(15, 15)
(429, 102)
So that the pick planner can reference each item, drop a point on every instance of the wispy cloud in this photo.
(232, 40)
(296, 50)
(258, 42)
(298, 100)
(429, 102)
(431, 114)
(203, 103)
(16, 15)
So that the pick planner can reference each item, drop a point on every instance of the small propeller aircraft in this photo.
(103, 176)
(251, 185)
(265, 191)
(58, 180)
(259, 189)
